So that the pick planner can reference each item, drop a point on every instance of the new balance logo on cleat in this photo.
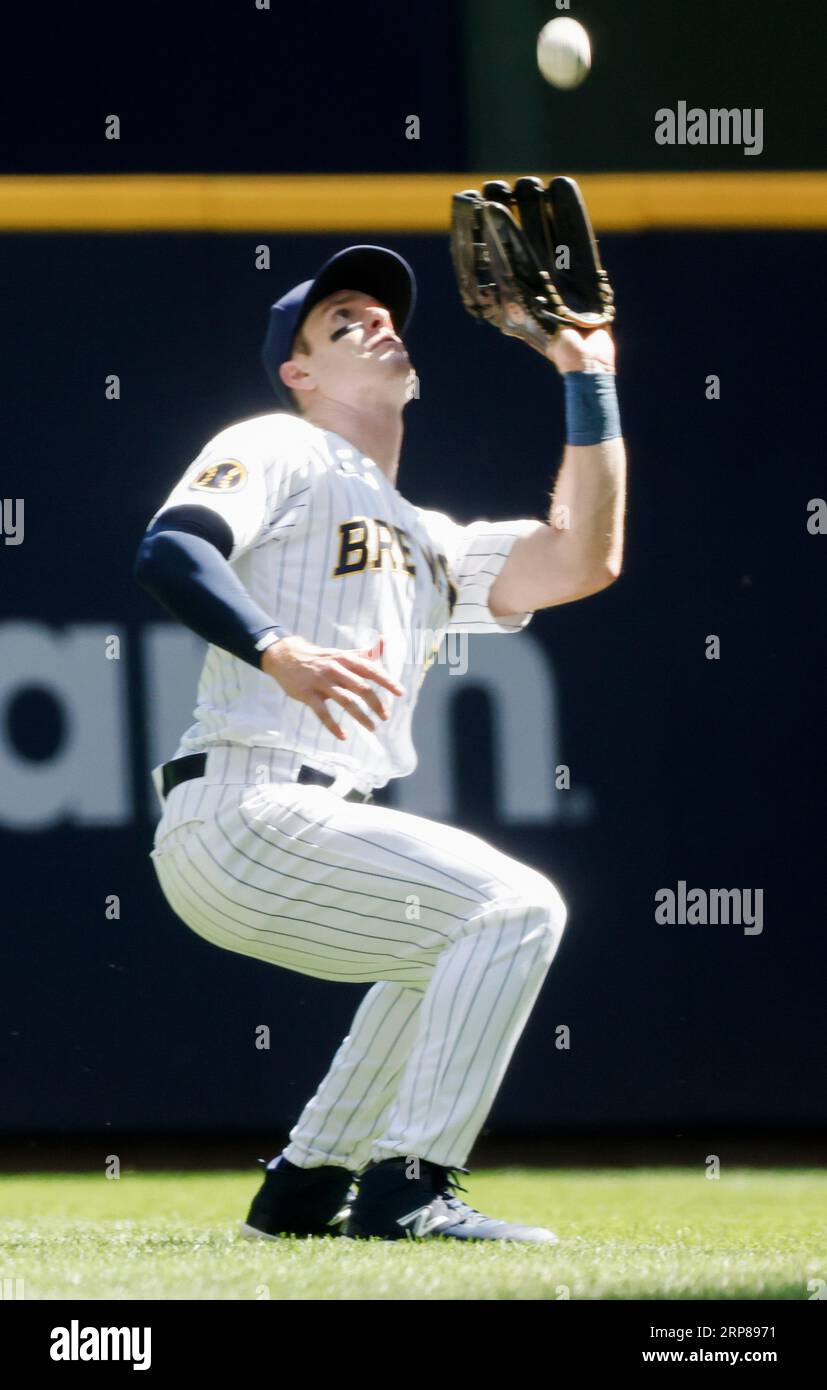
(385, 1191)
(425, 1220)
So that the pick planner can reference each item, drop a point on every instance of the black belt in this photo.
(195, 765)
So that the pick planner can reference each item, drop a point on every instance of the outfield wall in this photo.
(682, 769)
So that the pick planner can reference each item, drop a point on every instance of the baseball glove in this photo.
(533, 277)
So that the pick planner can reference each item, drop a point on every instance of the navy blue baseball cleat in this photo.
(299, 1201)
(392, 1206)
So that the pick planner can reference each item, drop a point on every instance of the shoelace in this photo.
(449, 1179)
(448, 1183)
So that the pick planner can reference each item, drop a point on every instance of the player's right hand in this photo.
(314, 675)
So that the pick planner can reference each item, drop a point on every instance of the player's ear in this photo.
(294, 376)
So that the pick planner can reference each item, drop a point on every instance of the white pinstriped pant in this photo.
(457, 937)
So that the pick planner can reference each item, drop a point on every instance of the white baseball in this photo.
(564, 54)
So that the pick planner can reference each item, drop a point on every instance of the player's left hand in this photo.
(571, 351)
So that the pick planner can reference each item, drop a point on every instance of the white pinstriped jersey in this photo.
(327, 546)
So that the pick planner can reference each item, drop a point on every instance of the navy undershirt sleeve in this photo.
(182, 562)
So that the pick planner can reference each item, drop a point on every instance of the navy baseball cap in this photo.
(372, 269)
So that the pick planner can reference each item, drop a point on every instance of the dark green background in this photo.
(646, 54)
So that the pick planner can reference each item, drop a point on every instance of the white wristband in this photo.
(269, 639)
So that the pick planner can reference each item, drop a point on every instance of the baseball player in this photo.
(289, 548)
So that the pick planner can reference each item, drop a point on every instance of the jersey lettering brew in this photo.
(335, 554)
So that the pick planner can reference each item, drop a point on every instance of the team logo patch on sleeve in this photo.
(227, 476)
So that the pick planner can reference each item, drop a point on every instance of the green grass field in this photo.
(645, 1234)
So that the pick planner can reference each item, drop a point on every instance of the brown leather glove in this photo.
(531, 277)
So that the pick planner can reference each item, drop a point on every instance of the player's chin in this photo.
(400, 365)
(386, 380)
(392, 370)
